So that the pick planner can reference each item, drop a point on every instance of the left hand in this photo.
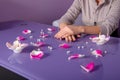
(67, 31)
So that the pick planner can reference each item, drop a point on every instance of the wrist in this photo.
(62, 25)
(81, 29)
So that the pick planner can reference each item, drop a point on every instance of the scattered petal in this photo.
(26, 31)
(97, 53)
(89, 67)
(51, 29)
(16, 47)
(36, 54)
(38, 44)
(101, 39)
(64, 45)
(75, 56)
(20, 38)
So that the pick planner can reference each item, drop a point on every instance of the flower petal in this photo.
(101, 39)
(97, 53)
(51, 29)
(64, 45)
(36, 54)
(75, 56)
(27, 31)
(89, 67)
(20, 38)
(17, 46)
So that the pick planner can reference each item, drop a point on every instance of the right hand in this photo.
(70, 38)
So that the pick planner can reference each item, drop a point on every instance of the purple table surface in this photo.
(55, 64)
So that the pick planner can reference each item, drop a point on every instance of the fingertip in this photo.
(78, 35)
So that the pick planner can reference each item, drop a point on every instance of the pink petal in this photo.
(75, 56)
(36, 54)
(64, 45)
(97, 53)
(20, 38)
(89, 67)
(51, 29)
(26, 31)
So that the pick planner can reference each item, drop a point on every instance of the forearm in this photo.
(89, 29)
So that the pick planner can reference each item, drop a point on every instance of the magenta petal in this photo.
(36, 54)
(51, 29)
(90, 66)
(75, 56)
(97, 53)
(64, 45)
(26, 31)
(20, 38)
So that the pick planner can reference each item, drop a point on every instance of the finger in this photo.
(66, 39)
(56, 35)
(66, 35)
(60, 34)
(69, 39)
(73, 38)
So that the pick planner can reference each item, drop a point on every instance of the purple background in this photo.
(43, 11)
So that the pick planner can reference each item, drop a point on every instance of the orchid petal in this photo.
(51, 29)
(75, 56)
(64, 45)
(101, 39)
(36, 54)
(16, 47)
(97, 53)
(20, 38)
(89, 67)
(27, 31)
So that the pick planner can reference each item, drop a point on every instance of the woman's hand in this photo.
(71, 38)
(68, 31)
